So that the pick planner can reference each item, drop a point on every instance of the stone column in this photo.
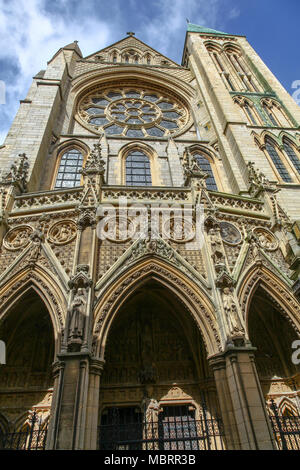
(242, 403)
(92, 410)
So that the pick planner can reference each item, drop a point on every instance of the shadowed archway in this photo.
(272, 334)
(156, 371)
(26, 379)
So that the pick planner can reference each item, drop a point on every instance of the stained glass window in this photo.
(206, 167)
(138, 172)
(292, 155)
(134, 112)
(68, 175)
(277, 162)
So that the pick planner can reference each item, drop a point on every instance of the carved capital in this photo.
(86, 218)
(81, 278)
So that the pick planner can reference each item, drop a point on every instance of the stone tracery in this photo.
(133, 112)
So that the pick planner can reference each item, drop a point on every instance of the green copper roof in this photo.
(195, 28)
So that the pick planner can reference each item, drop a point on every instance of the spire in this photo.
(195, 28)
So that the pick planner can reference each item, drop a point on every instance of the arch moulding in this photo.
(46, 288)
(196, 302)
(280, 292)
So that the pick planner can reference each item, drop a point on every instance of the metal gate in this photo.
(286, 428)
(176, 428)
(32, 436)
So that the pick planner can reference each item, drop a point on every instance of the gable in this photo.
(131, 47)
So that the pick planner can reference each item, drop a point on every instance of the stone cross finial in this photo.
(130, 33)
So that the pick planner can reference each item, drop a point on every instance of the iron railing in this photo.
(286, 428)
(32, 436)
(177, 432)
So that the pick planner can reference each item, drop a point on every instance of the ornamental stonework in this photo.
(266, 239)
(18, 237)
(230, 234)
(62, 232)
(133, 112)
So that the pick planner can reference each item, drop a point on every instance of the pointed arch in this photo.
(249, 109)
(45, 287)
(207, 161)
(291, 150)
(260, 276)
(270, 144)
(72, 149)
(286, 407)
(197, 303)
(145, 149)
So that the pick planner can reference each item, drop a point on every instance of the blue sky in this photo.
(31, 31)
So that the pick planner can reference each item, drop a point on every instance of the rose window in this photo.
(133, 113)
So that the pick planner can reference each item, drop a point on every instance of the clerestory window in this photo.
(68, 175)
(138, 170)
(205, 165)
(270, 147)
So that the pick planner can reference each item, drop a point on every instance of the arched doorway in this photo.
(26, 379)
(272, 334)
(157, 390)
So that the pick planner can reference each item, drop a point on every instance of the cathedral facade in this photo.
(150, 258)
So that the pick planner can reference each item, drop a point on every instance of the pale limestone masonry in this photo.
(189, 328)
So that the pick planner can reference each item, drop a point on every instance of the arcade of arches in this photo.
(26, 381)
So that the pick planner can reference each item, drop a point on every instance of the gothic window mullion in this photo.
(138, 171)
(68, 174)
(206, 167)
(292, 156)
(278, 162)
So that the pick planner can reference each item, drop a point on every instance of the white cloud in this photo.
(30, 37)
(31, 31)
(234, 13)
(169, 24)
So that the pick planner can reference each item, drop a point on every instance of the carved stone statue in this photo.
(216, 246)
(77, 316)
(231, 313)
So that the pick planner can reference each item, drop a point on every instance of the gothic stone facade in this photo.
(151, 325)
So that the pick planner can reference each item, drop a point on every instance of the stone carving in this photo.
(80, 284)
(87, 218)
(149, 246)
(37, 238)
(17, 237)
(265, 239)
(230, 234)
(94, 163)
(259, 182)
(66, 197)
(148, 194)
(62, 232)
(77, 313)
(223, 278)
(217, 253)
(151, 407)
(120, 230)
(230, 309)
(179, 230)
(192, 172)
(18, 172)
(246, 204)
(81, 278)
